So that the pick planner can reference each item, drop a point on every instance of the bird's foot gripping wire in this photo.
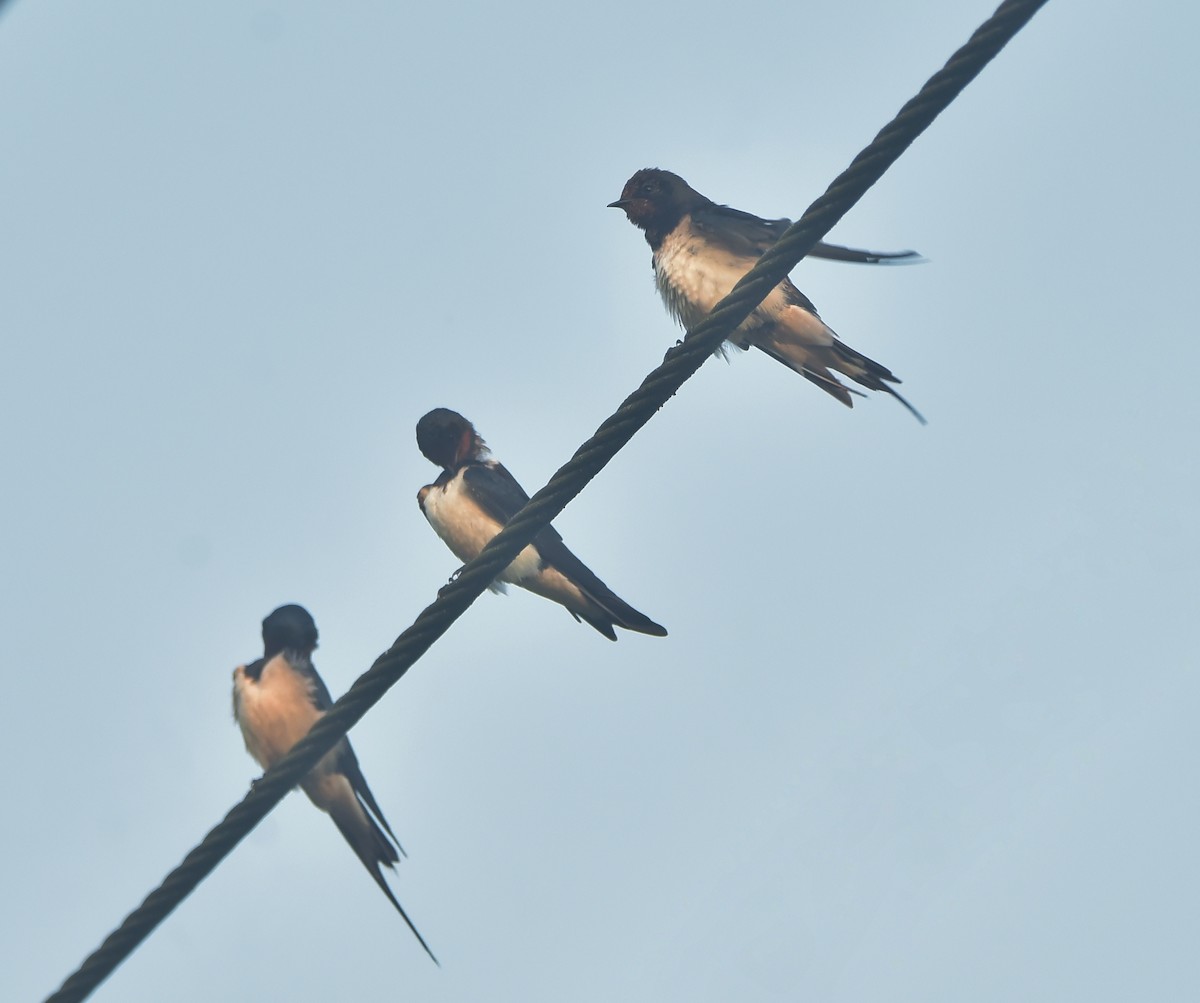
(453, 578)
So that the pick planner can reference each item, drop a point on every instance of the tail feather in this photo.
(814, 362)
(802, 359)
(371, 847)
(565, 579)
(911, 410)
(595, 618)
(873, 376)
(358, 782)
(829, 383)
(617, 611)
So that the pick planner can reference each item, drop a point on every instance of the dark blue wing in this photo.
(835, 252)
(740, 233)
(497, 492)
(347, 761)
(303, 665)
(747, 235)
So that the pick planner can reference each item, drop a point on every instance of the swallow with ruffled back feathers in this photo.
(472, 500)
(276, 701)
(700, 251)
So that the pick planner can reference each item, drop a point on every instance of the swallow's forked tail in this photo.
(608, 608)
(372, 847)
(585, 596)
(815, 362)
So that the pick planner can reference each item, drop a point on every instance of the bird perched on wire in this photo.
(276, 701)
(474, 497)
(702, 249)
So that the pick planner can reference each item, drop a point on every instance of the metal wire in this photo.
(637, 409)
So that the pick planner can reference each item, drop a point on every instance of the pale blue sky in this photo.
(923, 729)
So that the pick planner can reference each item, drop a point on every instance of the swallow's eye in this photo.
(649, 187)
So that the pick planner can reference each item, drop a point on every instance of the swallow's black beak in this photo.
(619, 204)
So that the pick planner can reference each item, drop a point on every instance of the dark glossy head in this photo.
(289, 628)
(656, 200)
(446, 438)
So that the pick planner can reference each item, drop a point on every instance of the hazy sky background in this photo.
(923, 729)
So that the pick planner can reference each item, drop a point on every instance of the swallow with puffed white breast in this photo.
(276, 701)
(700, 251)
(474, 497)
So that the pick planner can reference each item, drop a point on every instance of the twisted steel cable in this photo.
(635, 411)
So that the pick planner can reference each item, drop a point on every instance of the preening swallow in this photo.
(702, 249)
(474, 497)
(276, 701)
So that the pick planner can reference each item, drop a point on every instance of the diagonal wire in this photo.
(637, 409)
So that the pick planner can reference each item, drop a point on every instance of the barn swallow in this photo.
(276, 700)
(474, 497)
(700, 251)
